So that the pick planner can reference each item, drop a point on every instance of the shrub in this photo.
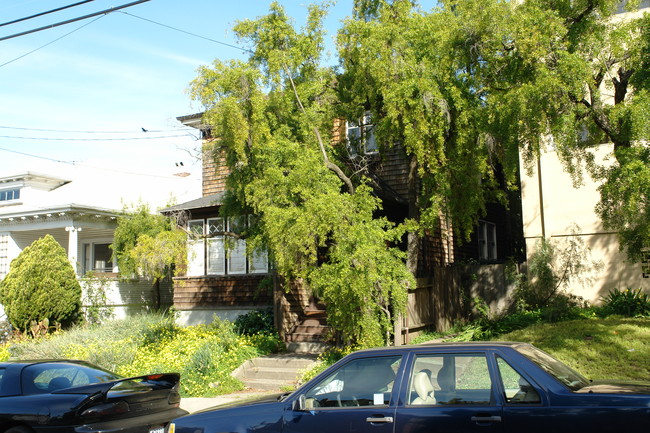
(255, 321)
(630, 303)
(41, 284)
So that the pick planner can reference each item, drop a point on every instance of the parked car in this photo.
(461, 387)
(76, 396)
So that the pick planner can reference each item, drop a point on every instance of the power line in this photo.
(61, 23)
(92, 139)
(45, 13)
(71, 131)
(51, 42)
(187, 33)
(88, 166)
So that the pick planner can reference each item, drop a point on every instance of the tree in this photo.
(273, 118)
(466, 87)
(41, 286)
(148, 245)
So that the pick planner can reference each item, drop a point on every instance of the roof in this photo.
(199, 203)
(94, 190)
(193, 121)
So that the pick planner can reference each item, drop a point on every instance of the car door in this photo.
(449, 392)
(360, 396)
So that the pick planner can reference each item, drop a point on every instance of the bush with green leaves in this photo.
(255, 321)
(630, 303)
(41, 284)
(204, 355)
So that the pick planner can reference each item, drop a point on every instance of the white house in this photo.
(79, 206)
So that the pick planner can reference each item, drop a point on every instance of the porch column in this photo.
(73, 246)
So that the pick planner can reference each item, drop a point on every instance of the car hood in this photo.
(249, 401)
(616, 387)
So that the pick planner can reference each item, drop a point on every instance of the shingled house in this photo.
(230, 283)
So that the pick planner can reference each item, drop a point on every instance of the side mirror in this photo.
(300, 404)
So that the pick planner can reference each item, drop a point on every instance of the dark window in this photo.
(10, 194)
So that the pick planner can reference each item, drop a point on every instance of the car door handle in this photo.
(383, 419)
(486, 418)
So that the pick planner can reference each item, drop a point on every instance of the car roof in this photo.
(481, 345)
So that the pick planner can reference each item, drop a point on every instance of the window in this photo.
(516, 388)
(450, 379)
(360, 382)
(10, 194)
(361, 135)
(487, 241)
(213, 252)
(645, 263)
(98, 257)
(237, 252)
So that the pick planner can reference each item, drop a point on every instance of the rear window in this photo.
(45, 378)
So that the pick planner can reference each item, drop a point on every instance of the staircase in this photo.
(311, 330)
(274, 372)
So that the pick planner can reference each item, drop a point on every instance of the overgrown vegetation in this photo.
(205, 355)
(41, 288)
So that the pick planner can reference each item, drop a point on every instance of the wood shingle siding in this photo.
(236, 291)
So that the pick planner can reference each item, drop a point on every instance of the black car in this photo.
(76, 396)
(461, 387)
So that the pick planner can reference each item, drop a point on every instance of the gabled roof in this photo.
(199, 203)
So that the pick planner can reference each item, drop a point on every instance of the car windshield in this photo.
(562, 373)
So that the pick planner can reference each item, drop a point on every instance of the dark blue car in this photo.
(462, 387)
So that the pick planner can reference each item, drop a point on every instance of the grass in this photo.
(609, 348)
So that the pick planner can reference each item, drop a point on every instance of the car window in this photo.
(517, 390)
(450, 379)
(360, 382)
(44, 378)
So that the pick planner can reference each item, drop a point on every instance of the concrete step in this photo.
(274, 372)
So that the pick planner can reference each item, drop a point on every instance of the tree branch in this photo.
(330, 165)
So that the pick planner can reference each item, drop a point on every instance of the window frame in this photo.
(9, 195)
(222, 256)
(487, 241)
(365, 142)
(485, 358)
(389, 395)
(89, 257)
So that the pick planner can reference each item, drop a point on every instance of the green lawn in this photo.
(610, 348)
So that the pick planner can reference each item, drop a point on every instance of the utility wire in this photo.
(104, 12)
(45, 13)
(92, 139)
(71, 131)
(188, 33)
(51, 42)
(89, 166)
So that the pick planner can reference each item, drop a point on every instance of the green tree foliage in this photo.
(274, 115)
(468, 85)
(147, 244)
(40, 285)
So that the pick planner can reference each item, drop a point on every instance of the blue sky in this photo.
(111, 78)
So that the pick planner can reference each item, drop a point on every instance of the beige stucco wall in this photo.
(556, 209)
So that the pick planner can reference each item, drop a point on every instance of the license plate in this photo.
(157, 430)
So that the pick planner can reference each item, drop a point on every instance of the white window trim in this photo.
(487, 250)
(89, 262)
(366, 129)
(201, 254)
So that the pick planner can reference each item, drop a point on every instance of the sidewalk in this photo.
(193, 404)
